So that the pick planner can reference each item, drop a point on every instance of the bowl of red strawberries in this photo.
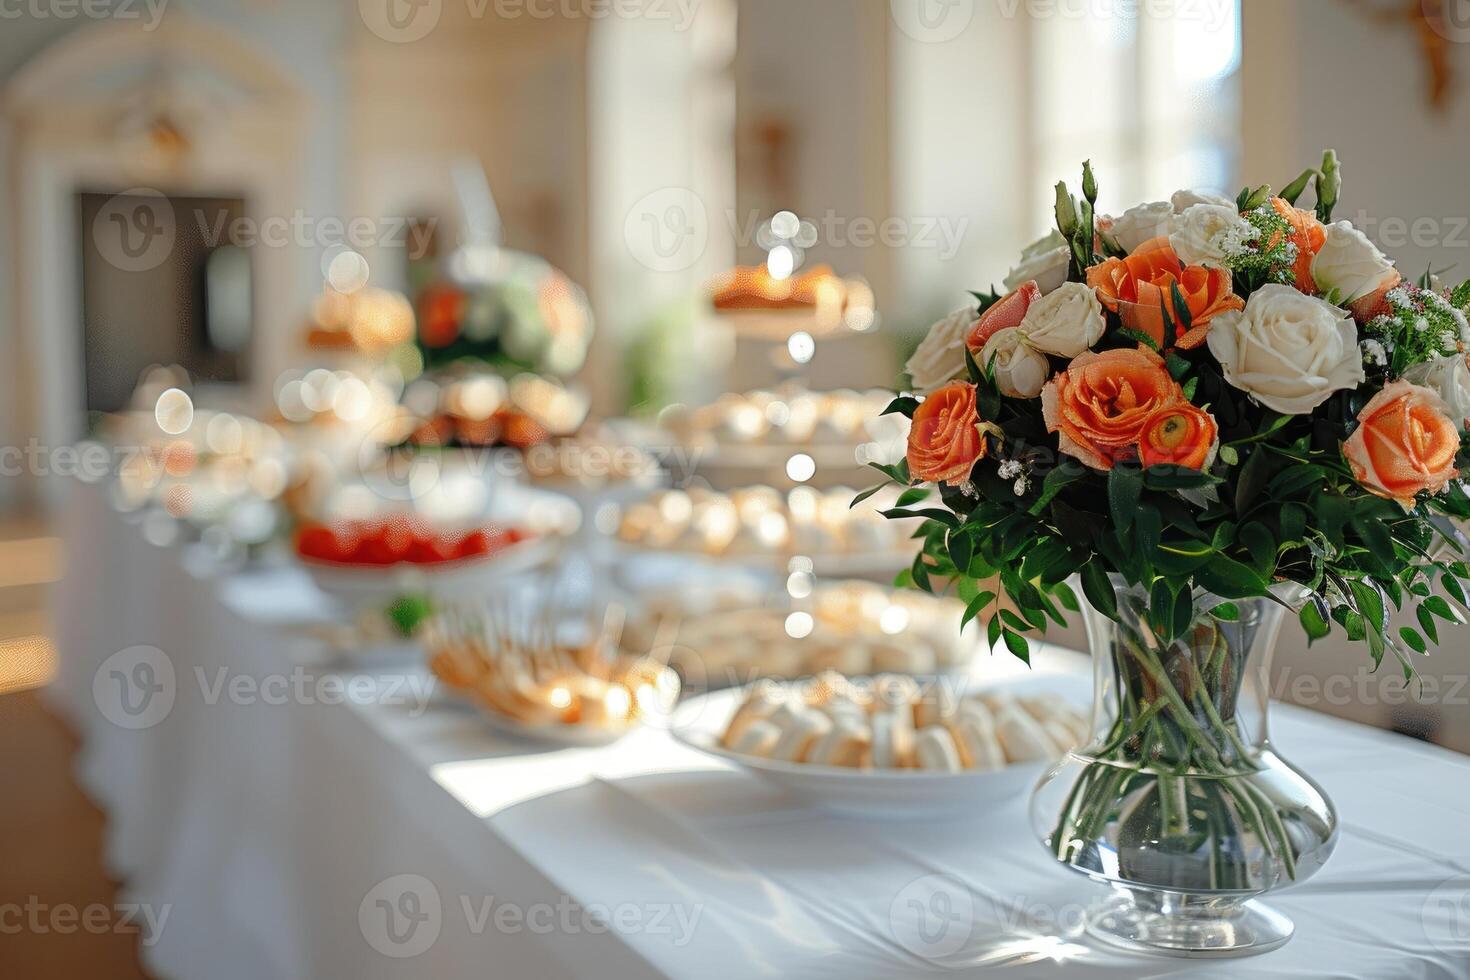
(376, 560)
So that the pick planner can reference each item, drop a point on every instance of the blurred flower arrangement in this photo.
(1197, 398)
(507, 310)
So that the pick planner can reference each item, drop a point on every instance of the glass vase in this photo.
(1179, 801)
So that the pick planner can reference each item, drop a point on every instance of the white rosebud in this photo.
(1449, 377)
(940, 356)
(1064, 322)
(1349, 266)
(1207, 234)
(1139, 224)
(1046, 260)
(1291, 351)
(1183, 200)
(1020, 370)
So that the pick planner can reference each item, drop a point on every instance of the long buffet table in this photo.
(294, 820)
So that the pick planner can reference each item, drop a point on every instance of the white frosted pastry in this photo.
(799, 734)
(974, 732)
(1023, 739)
(846, 745)
(1051, 707)
(894, 691)
(759, 739)
(763, 701)
(936, 705)
(893, 739)
(935, 749)
(996, 701)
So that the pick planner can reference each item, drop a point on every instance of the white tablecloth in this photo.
(327, 836)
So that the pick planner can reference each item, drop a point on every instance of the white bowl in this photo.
(463, 579)
(887, 794)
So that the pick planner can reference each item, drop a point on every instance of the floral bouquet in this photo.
(1206, 411)
(1200, 394)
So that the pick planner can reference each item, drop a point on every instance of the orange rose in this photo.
(1307, 235)
(1179, 435)
(1375, 304)
(1102, 402)
(945, 440)
(1007, 312)
(1405, 443)
(1138, 289)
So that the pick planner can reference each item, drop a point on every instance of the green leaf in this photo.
(975, 606)
(920, 573)
(1314, 623)
(1258, 540)
(992, 632)
(1226, 612)
(911, 496)
(1125, 486)
(1056, 481)
(1443, 609)
(1020, 649)
(1426, 621)
(1099, 589)
(1066, 596)
(1293, 190)
(867, 493)
(902, 405)
(947, 518)
(1369, 602)
(961, 546)
(1229, 579)
(1412, 638)
(1229, 456)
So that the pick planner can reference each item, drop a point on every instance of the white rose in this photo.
(1291, 351)
(1349, 266)
(1046, 260)
(1207, 234)
(1065, 322)
(1020, 370)
(940, 356)
(1139, 223)
(1183, 200)
(1450, 378)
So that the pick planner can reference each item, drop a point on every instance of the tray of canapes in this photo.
(761, 526)
(528, 683)
(888, 746)
(762, 429)
(378, 560)
(726, 632)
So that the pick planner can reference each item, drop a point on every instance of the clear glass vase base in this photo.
(1165, 928)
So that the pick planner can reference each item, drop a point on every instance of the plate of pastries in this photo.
(890, 745)
(528, 681)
